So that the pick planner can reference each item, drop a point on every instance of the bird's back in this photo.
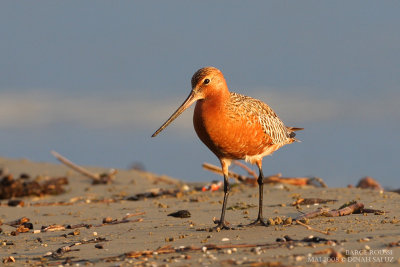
(259, 112)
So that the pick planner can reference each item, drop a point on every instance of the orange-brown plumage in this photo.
(233, 133)
(233, 126)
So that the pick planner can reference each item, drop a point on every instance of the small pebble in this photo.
(76, 232)
(270, 221)
(99, 246)
(9, 259)
(180, 214)
(24, 176)
(278, 220)
(256, 250)
(107, 220)
(15, 203)
(185, 188)
(288, 221)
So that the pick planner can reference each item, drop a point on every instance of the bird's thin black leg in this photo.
(260, 181)
(221, 223)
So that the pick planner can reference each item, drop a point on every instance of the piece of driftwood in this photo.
(103, 178)
(53, 228)
(352, 207)
(273, 179)
(347, 210)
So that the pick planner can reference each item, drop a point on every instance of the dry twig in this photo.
(312, 229)
(96, 178)
(217, 170)
(133, 214)
(243, 166)
(273, 179)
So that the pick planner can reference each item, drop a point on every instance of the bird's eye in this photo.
(206, 81)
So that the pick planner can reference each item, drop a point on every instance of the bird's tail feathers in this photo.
(292, 134)
(294, 129)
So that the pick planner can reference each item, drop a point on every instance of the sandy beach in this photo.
(116, 224)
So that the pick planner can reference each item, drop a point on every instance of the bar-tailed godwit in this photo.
(233, 127)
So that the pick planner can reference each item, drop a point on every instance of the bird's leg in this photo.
(260, 181)
(221, 224)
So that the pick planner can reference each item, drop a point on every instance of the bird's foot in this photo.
(221, 226)
(258, 221)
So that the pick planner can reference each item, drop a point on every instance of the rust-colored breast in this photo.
(230, 129)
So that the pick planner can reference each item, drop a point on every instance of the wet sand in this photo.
(359, 238)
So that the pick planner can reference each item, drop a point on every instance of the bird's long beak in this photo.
(193, 97)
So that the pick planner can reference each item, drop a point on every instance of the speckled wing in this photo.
(261, 113)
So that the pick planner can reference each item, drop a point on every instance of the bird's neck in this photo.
(217, 100)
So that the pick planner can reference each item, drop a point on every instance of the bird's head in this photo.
(207, 82)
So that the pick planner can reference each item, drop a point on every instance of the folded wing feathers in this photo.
(270, 122)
